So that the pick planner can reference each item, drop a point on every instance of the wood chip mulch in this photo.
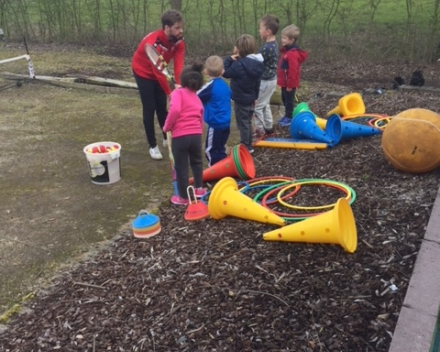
(215, 285)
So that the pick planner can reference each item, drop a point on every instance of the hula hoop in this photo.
(290, 216)
(236, 158)
(347, 118)
(377, 122)
(280, 185)
(269, 178)
(203, 199)
(351, 117)
(265, 179)
(251, 188)
(372, 122)
(349, 194)
(244, 186)
(236, 162)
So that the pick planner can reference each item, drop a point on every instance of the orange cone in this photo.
(196, 210)
(335, 226)
(226, 199)
(231, 166)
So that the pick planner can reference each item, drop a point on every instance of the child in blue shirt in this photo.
(216, 98)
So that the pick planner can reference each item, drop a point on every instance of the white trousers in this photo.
(263, 114)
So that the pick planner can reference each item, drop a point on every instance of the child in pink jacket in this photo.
(185, 121)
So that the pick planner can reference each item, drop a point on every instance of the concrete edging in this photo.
(418, 316)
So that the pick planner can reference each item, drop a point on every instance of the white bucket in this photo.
(104, 168)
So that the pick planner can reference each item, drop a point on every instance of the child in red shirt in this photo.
(288, 72)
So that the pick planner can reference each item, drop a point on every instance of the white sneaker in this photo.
(165, 143)
(155, 153)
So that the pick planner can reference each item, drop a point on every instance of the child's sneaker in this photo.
(155, 153)
(200, 192)
(270, 133)
(179, 200)
(284, 121)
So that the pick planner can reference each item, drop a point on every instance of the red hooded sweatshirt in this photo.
(142, 65)
(288, 72)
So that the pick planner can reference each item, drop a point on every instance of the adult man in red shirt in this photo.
(153, 85)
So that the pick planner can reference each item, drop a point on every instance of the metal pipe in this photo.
(15, 59)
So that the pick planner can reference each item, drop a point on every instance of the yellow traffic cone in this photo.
(225, 199)
(335, 226)
(350, 104)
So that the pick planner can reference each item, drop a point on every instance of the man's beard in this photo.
(174, 38)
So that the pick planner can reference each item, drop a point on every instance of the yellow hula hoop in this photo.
(279, 180)
(352, 117)
(313, 182)
(383, 119)
(268, 180)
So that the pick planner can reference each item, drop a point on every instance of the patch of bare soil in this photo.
(366, 75)
(217, 286)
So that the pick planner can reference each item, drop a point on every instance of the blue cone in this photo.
(303, 126)
(339, 129)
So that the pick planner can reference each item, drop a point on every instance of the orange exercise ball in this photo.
(411, 141)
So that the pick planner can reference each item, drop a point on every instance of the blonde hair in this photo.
(214, 66)
(291, 32)
(245, 44)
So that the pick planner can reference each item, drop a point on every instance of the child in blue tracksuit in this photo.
(245, 70)
(216, 98)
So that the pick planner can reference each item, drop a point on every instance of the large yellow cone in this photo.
(225, 199)
(335, 226)
(350, 104)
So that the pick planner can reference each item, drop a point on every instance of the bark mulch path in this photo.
(217, 286)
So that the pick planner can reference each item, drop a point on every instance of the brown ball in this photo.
(411, 141)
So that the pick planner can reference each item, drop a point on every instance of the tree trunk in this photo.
(176, 4)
